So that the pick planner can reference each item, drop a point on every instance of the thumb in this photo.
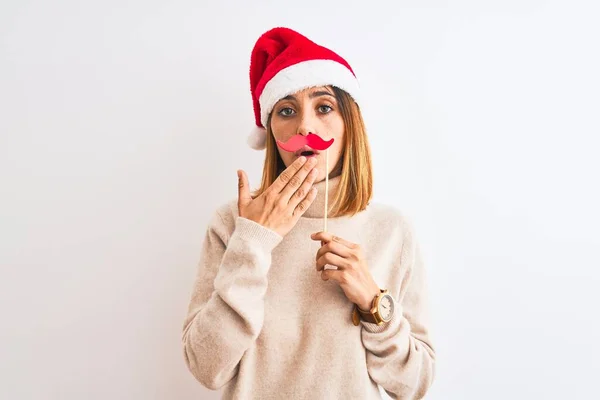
(243, 189)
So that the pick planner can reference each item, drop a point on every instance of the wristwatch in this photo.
(382, 310)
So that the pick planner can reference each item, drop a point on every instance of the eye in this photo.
(286, 112)
(325, 109)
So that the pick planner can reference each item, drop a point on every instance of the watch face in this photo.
(386, 307)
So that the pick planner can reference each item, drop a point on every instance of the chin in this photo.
(320, 178)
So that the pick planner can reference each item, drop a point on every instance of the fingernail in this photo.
(302, 159)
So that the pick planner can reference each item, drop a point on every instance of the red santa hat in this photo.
(283, 62)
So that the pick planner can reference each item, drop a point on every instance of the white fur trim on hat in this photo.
(304, 75)
(258, 138)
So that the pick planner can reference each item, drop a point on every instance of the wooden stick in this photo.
(326, 187)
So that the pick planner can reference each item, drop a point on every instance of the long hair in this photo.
(355, 188)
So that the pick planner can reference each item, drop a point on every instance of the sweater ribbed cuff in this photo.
(254, 232)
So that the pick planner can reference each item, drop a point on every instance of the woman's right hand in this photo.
(281, 205)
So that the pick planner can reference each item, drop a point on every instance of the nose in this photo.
(306, 124)
(304, 130)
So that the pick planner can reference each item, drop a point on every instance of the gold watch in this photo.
(382, 310)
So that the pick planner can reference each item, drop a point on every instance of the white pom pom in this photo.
(258, 138)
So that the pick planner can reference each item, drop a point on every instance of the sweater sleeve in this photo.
(400, 355)
(226, 310)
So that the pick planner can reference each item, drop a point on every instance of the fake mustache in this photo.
(312, 140)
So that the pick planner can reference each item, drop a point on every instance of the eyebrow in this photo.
(312, 95)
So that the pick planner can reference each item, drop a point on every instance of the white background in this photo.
(122, 125)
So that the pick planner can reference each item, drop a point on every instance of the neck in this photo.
(317, 208)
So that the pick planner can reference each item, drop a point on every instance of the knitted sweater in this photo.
(262, 324)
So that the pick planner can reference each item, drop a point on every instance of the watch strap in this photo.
(367, 316)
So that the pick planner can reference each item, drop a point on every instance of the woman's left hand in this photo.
(352, 275)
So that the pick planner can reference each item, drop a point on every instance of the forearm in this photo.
(218, 331)
(402, 362)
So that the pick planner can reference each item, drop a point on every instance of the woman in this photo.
(266, 319)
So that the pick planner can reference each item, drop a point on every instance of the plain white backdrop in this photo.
(122, 125)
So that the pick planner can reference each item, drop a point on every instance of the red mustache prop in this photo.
(298, 141)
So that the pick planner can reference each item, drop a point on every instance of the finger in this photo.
(302, 191)
(304, 204)
(296, 182)
(283, 178)
(335, 248)
(244, 196)
(329, 237)
(345, 242)
(332, 259)
(333, 274)
(324, 237)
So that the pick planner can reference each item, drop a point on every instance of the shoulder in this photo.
(394, 223)
(222, 220)
(228, 211)
(398, 228)
(390, 216)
